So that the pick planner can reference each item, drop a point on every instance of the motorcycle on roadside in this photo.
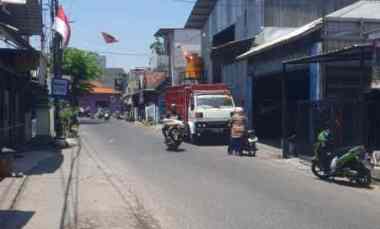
(351, 162)
(174, 132)
(249, 143)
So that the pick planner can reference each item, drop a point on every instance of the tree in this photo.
(157, 46)
(82, 66)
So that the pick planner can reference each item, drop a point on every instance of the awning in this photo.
(200, 14)
(351, 53)
(292, 36)
(11, 34)
(362, 10)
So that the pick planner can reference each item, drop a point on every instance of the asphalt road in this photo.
(202, 187)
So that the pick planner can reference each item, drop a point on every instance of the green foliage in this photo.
(67, 117)
(81, 64)
(158, 46)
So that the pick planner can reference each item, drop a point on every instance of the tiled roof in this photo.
(98, 88)
(103, 90)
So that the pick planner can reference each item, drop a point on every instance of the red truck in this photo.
(204, 108)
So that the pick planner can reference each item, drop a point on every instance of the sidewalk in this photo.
(61, 189)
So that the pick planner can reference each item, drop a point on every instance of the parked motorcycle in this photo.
(174, 133)
(249, 143)
(106, 116)
(352, 162)
(99, 115)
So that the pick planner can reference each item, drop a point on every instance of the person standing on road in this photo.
(238, 128)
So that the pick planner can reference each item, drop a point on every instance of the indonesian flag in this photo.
(62, 26)
(108, 38)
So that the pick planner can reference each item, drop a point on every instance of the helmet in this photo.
(173, 107)
(239, 110)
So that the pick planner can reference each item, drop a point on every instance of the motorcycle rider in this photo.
(171, 114)
(326, 139)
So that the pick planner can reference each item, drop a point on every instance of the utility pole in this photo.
(57, 64)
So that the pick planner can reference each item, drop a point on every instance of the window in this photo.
(214, 101)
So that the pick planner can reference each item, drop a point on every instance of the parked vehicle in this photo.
(351, 162)
(205, 108)
(84, 112)
(175, 132)
(107, 116)
(249, 143)
(99, 115)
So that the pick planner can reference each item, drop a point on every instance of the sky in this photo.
(132, 22)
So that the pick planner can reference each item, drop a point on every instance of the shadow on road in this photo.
(86, 121)
(14, 219)
(211, 140)
(37, 162)
(347, 183)
(271, 142)
(176, 151)
(48, 165)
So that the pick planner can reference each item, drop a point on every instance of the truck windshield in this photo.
(214, 101)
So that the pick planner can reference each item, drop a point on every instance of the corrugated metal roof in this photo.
(271, 33)
(354, 52)
(360, 10)
(164, 31)
(26, 18)
(200, 13)
(295, 34)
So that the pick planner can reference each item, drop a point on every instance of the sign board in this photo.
(60, 87)
(194, 67)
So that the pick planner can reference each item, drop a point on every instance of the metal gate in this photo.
(348, 121)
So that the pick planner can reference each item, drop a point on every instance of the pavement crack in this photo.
(144, 219)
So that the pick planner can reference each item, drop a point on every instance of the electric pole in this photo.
(57, 63)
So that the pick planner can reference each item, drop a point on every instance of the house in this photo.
(154, 95)
(114, 77)
(132, 97)
(24, 104)
(178, 44)
(101, 96)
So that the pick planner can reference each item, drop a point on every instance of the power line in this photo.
(123, 53)
(237, 5)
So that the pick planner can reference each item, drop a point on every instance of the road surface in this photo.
(203, 187)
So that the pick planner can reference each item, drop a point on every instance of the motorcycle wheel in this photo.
(172, 147)
(317, 171)
(365, 179)
(252, 153)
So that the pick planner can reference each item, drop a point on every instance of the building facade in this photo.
(232, 24)
(178, 43)
(23, 94)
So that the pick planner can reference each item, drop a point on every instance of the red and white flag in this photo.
(62, 26)
(108, 38)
